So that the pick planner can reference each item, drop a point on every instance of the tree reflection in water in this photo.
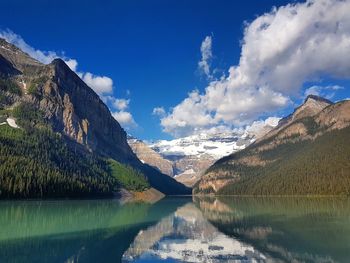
(177, 230)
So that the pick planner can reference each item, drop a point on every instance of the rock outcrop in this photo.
(73, 109)
(149, 156)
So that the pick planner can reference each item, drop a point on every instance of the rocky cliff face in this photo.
(149, 156)
(72, 108)
(311, 143)
(190, 168)
(311, 106)
(79, 112)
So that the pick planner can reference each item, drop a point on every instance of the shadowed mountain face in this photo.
(307, 153)
(58, 97)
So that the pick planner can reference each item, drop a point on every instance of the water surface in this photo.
(177, 230)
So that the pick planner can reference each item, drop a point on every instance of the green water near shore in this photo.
(176, 230)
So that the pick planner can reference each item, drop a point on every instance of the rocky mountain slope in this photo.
(187, 158)
(53, 97)
(149, 156)
(185, 169)
(192, 155)
(72, 107)
(307, 153)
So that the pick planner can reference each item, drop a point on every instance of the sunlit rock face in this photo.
(187, 158)
(186, 236)
(149, 156)
(66, 101)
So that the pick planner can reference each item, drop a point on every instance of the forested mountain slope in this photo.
(307, 153)
(58, 138)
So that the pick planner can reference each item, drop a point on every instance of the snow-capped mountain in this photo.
(215, 145)
(187, 158)
(192, 155)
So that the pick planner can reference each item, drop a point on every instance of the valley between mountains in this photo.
(59, 139)
(306, 153)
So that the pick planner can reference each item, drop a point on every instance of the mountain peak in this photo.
(10, 47)
(59, 62)
(61, 66)
(305, 149)
(73, 110)
(317, 98)
(16, 56)
(312, 105)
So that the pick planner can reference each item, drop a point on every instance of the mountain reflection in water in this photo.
(248, 230)
(186, 236)
(177, 230)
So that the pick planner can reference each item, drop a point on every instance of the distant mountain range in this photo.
(58, 138)
(307, 153)
(187, 158)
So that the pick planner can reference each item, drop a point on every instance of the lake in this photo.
(177, 230)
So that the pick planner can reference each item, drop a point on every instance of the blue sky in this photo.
(151, 51)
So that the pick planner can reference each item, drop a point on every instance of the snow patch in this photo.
(24, 87)
(6, 48)
(12, 123)
(215, 145)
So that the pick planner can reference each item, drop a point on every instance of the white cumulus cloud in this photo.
(280, 51)
(159, 111)
(260, 127)
(121, 113)
(207, 55)
(121, 104)
(72, 64)
(125, 119)
(102, 85)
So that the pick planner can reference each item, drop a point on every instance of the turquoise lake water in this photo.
(177, 230)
